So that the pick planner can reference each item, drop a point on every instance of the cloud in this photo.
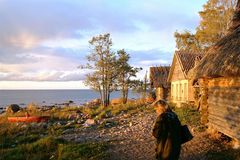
(42, 85)
(44, 40)
(75, 75)
(49, 67)
(26, 22)
(154, 62)
(150, 57)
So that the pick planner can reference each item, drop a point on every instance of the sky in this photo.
(42, 42)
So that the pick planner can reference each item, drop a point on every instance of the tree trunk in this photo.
(101, 96)
(108, 99)
(126, 95)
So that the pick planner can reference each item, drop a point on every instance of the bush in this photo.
(32, 108)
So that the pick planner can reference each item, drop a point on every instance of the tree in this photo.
(102, 61)
(125, 73)
(187, 41)
(142, 86)
(215, 21)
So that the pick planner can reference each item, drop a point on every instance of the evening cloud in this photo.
(46, 40)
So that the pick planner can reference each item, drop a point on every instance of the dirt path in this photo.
(131, 139)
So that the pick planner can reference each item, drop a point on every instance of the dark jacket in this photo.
(167, 132)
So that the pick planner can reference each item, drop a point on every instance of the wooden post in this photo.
(203, 100)
(160, 93)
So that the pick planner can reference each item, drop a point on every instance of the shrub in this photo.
(32, 108)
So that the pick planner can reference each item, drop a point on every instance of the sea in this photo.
(51, 97)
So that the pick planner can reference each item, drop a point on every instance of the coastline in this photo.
(51, 97)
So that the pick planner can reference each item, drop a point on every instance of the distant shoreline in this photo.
(51, 97)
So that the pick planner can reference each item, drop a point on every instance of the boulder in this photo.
(70, 101)
(89, 122)
(95, 102)
(13, 108)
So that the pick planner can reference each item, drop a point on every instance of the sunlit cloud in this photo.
(65, 43)
(44, 41)
(76, 75)
(42, 85)
(23, 40)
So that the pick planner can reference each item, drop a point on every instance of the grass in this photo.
(57, 149)
(189, 115)
(29, 144)
(31, 141)
(86, 151)
(114, 110)
(34, 141)
(228, 154)
(21, 141)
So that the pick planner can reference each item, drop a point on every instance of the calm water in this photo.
(48, 97)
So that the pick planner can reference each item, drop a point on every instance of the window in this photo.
(185, 91)
(176, 93)
(180, 92)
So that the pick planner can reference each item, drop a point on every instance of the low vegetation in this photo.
(35, 142)
(227, 154)
(188, 114)
(43, 141)
(35, 148)
(40, 141)
(114, 110)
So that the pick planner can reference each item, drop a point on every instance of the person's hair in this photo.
(164, 104)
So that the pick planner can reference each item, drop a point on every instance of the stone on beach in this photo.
(13, 108)
(89, 122)
(94, 102)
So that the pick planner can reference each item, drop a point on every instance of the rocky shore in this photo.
(131, 139)
(127, 130)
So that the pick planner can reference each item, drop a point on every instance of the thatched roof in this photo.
(223, 59)
(158, 76)
(187, 61)
(236, 18)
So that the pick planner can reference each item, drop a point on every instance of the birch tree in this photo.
(102, 61)
(125, 73)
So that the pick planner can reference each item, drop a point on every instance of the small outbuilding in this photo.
(218, 74)
(158, 81)
(181, 89)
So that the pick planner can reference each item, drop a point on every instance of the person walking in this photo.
(167, 130)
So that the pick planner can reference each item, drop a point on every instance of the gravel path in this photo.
(131, 139)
